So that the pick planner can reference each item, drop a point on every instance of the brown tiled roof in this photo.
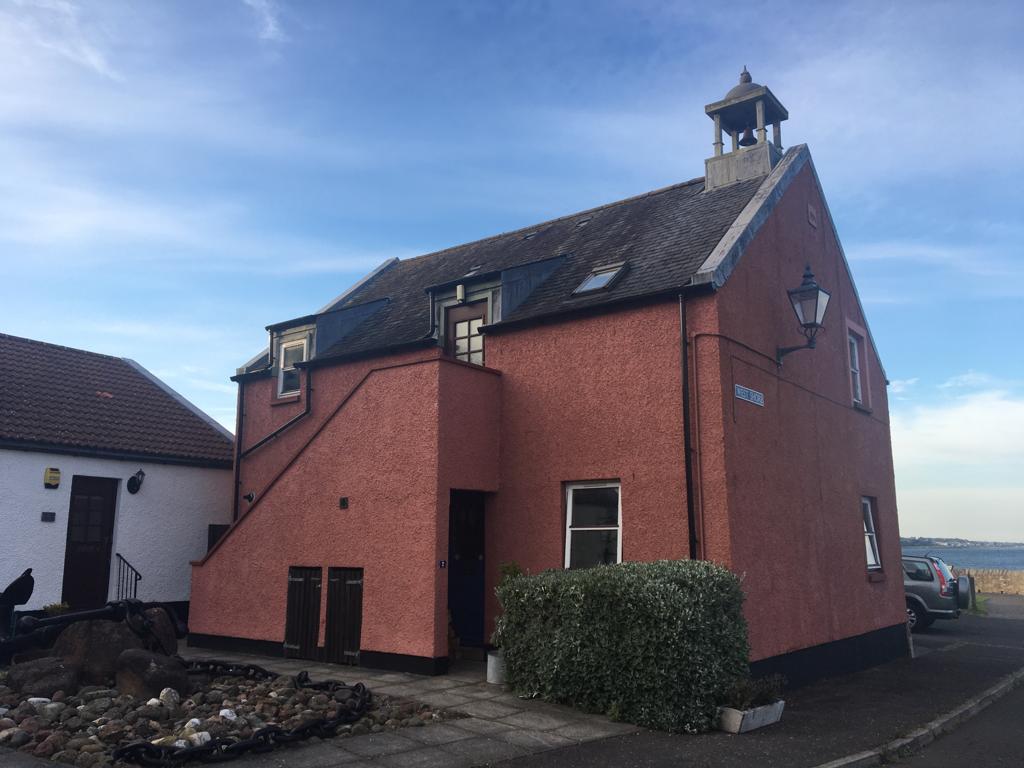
(58, 398)
(664, 236)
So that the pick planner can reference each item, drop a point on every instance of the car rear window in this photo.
(917, 570)
(948, 574)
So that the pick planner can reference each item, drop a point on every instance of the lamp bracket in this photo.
(781, 352)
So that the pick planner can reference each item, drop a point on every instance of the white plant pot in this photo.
(496, 667)
(743, 720)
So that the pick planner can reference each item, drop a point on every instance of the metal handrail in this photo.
(128, 578)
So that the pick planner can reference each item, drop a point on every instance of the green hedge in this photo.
(656, 644)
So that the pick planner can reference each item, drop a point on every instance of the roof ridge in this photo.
(61, 346)
(538, 225)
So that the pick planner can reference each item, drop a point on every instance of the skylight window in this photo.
(600, 277)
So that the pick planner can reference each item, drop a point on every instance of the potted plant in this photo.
(752, 704)
(495, 658)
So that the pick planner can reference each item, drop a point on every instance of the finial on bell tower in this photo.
(747, 107)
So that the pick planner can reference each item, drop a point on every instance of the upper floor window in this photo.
(288, 376)
(464, 340)
(600, 277)
(856, 385)
(593, 524)
(867, 509)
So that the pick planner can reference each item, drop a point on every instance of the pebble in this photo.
(170, 698)
(228, 714)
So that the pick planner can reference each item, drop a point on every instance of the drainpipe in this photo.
(684, 365)
(240, 426)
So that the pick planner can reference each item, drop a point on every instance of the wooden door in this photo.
(344, 615)
(463, 339)
(302, 625)
(89, 541)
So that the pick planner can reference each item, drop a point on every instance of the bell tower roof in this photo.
(738, 110)
(747, 107)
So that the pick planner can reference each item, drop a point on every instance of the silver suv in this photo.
(932, 591)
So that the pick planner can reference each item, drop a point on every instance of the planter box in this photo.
(496, 667)
(743, 720)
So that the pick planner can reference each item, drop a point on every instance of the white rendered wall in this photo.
(158, 530)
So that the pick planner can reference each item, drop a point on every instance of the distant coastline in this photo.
(924, 541)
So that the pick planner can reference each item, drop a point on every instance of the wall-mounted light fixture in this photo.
(135, 481)
(460, 293)
(809, 303)
(250, 497)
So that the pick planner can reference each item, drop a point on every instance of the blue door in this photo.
(466, 566)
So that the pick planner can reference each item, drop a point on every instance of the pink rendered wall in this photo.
(263, 413)
(382, 452)
(782, 484)
(593, 398)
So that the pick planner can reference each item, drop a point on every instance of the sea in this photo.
(1009, 558)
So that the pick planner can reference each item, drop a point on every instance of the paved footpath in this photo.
(822, 722)
(844, 716)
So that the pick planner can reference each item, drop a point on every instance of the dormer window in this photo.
(601, 278)
(288, 377)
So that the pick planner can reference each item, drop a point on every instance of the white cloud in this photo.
(56, 26)
(900, 386)
(959, 462)
(969, 380)
(268, 15)
(979, 429)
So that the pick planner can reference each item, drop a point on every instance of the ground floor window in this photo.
(867, 508)
(593, 524)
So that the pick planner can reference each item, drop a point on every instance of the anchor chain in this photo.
(349, 710)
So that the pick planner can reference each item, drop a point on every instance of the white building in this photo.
(78, 431)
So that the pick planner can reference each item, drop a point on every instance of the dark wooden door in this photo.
(302, 626)
(463, 339)
(344, 615)
(466, 566)
(89, 541)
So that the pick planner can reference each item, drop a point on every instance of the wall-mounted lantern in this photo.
(809, 304)
(135, 481)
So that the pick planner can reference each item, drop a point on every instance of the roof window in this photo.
(583, 222)
(601, 278)
(529, 236)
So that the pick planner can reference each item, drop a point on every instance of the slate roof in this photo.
(664, 236)
(54, 398)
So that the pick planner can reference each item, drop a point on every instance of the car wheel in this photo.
(916, 619)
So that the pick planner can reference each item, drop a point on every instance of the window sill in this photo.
(876, 577)
(861, 407)
(285, 399)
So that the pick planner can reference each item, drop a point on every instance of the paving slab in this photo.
(539, 721)
(489, 708)
(377, 744)
(484, 750)
(439, 733)
(534, 741)
(481, 726)
(426, 757)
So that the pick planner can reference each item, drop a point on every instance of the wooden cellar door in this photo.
(344, 615)
(302, 625)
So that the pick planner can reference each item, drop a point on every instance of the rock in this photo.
(162, 628)
(15, 738)
(74, 723)
(85, 760)
(95, 646)
(77, 743)
(170, 698)
(228, 714)
(95, 693)
(149, 712)
(50, 745)
(143, 674)
(59, 696)
(200, 738)
(32, 724)
(5, 723)
(112, 731)
(53, 710)
(195, 722)
(43, 677)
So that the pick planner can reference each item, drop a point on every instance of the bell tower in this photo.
(746, 109)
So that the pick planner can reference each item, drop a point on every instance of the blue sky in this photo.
(178, 175)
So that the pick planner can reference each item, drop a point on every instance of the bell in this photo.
(747, 139)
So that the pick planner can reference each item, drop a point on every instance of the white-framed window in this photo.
(856, 386)
(288, 376)
(600, 277)
(593, 524)
(867, 509)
